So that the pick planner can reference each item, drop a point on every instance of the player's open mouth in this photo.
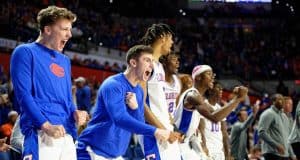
(63, 42)
(147, 74)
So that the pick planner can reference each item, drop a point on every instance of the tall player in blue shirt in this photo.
(42, 82)
(119, 111)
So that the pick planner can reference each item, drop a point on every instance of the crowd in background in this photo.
(262, 48)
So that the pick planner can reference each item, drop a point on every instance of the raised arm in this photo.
(194, 99)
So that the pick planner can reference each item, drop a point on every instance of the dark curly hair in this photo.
(155, 32)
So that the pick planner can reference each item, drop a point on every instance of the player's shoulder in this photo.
(23, 47)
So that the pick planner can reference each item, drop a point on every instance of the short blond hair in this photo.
(51, 14)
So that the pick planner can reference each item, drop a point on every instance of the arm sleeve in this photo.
(114, 101)
(263, 126)
(21, 74)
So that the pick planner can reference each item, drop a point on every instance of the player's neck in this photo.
(212, 101)
(156, 52)
(44, 41)
(131, 77)
(201, 89)
(169, 78)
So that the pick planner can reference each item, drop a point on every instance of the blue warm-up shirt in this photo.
(108, 133)
(42, 84)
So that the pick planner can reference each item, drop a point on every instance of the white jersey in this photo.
(156, 95)
(156, 99)
(213, 135)
(186, 121)
(172, 92)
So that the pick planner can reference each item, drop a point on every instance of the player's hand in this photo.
(293, 158)
(3, 146)
(280, 149)
(131, 100)
(81, 117)
(241, 92)
(205, 149)
(174, 136)
(55, 131)
(162, 134)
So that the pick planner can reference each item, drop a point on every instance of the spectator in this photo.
(273, 133)
(83, 94)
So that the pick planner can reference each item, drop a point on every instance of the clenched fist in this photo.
(131, 100)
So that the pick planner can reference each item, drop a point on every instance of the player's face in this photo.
(172, 64)
(59, 33)
(218, 91)
(144, 66)
(208, 78)
(167, 44)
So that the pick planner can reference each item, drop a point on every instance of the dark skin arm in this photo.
(201, 128)
(194, 99)
(225, 140)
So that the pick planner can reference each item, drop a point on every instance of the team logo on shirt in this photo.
(57, 70)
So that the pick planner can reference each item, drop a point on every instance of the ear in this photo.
(47, 30)
(198, 78)
(133, 62)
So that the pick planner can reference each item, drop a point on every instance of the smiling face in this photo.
(58, 34)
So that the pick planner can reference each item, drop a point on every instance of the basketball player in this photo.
(191, 105)
(41, 77)
(172, 85)
(159, 37)
(214, 134)
(119, 111)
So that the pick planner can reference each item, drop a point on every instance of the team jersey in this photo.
(156, 95)
(156, 100)
(213, 133)
(186, 120)
(42, 84)
(172, 92)
(108, 133)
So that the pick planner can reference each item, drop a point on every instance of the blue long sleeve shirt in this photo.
(42, 84)
(113, 122)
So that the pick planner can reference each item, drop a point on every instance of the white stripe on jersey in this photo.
(172, 92)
